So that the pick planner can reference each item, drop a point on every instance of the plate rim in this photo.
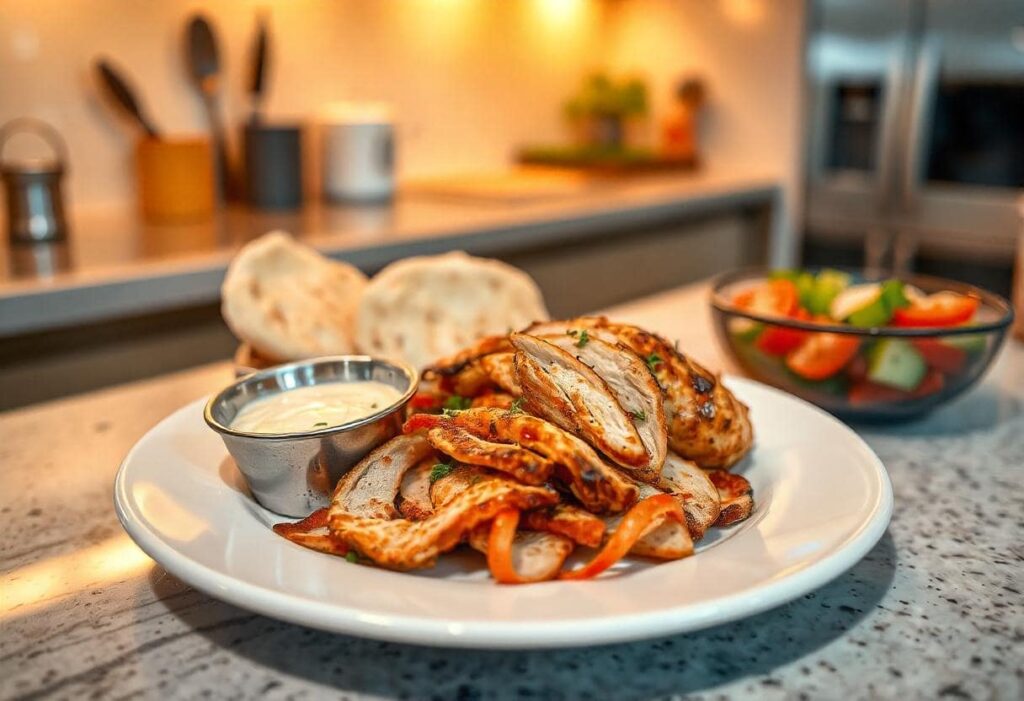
(340, 618)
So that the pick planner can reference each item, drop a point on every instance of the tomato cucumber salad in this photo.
(864, 369)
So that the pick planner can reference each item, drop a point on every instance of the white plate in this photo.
(823, 500)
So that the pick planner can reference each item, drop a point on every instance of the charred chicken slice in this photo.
(574, 523)
(369, 489)
(414, 494)
(312, 532)
(598, 486)
(454, 364)
(404, 545)
(633, 385)
(706, 423)
(500, 368)
(524, 465)
(558, 387)
(701, 502)
(736, 495)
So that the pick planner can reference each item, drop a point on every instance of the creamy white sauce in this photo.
(315, 408)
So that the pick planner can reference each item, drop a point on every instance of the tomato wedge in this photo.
(865, 392)
(939, 309)
(772, 298)
(779, 340)
(940, 355)
(823, 355)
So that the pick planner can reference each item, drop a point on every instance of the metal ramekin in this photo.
(294, 474)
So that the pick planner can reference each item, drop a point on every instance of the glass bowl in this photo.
(956, 357)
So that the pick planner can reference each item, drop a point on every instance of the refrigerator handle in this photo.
(919, 120)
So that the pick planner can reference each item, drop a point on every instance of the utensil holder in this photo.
(175, 179)
(273, 166)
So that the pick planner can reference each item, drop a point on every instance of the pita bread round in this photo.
(421, 309)
(289, 302)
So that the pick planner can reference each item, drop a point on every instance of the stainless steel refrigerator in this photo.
(915, 128)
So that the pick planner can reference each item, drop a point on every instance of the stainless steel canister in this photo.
(35, 203)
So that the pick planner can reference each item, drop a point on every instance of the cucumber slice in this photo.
(973, 344)
(826, 287)
(895, 296)
(895, 363)
(856, 299)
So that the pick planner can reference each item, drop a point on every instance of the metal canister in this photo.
(35, 202)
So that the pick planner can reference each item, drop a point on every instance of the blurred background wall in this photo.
(469, 80)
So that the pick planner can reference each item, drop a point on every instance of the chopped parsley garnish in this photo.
(441, 469)
(583, 339)
(516, 408)
(318, 424)
(639, 415)
(352, 556)
(653, 361)
(457, 403)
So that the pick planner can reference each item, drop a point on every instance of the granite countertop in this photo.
(934, 611)
(115, 265)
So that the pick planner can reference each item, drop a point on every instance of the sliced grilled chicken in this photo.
(574, 523)
(697, 493)
(599, 487)
(522, 464)
(706, 423)
(536, 556)
(558, 387)
(312, 532)
(404, 545)
(664, 539)
(500, 368)
(454, 364)
(630, 380)
(736, 494)
(493, 400)
(414, 494)
(369, 489)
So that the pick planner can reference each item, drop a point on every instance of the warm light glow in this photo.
(561, 12)
(745, 13)
(29, 587)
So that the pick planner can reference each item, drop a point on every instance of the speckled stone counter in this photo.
(934, 611)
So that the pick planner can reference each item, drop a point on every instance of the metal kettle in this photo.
(35, 203)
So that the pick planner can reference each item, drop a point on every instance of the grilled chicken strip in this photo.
(633, 385)
(405, 545)
(414, 494)
(500, 369)
(736, 494)
(454, 364)
(536, 556)
(706, 423)
(570, 521)
(695, 490)
(558, 387)
(369, 489)
(525, 466)
(493, 400)
(599, 487)
(312, 532)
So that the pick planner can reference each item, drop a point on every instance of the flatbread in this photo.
(289, 302)
(421, 309)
